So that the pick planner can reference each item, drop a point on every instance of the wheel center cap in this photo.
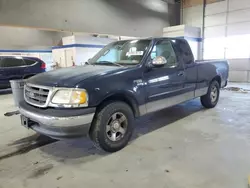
(115, 126)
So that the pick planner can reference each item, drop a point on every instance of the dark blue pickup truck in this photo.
(15, 67)
(125, 80)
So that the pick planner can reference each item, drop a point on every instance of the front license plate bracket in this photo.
(25, 121)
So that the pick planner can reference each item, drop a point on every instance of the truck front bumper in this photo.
(57, 123)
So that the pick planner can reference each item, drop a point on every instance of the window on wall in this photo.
(214, 48)
(237, 46)
(231, 47)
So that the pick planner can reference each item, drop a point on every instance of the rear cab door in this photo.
(165, 85)
(185, 55)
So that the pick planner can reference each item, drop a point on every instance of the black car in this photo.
(12, 68)
(125, 80)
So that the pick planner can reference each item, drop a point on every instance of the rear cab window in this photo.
(183, 51)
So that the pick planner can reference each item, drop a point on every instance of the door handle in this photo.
(181, 73)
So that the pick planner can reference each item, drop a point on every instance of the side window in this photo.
(1, 62)
(164, 48)
(30, 61)
(185, 51)
(11, 62)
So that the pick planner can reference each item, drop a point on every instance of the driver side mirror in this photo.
(159, 61)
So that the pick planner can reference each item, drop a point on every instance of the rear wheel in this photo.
(211, 99)
(112, 127)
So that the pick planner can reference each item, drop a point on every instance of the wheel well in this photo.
(28, 76)
(121, 97)
(218, 79)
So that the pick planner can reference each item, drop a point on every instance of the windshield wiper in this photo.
(117, 64)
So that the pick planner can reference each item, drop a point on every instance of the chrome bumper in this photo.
(58, 123)
(52, 121)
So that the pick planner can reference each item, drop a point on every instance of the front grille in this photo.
(36, 95)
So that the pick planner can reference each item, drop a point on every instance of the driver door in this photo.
(165, 84)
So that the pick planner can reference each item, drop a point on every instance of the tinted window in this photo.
(164, 48)
(11, 62)
(30, 61)
(184, 51)
(1, 62)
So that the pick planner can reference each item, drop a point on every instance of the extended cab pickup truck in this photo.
(125, 80)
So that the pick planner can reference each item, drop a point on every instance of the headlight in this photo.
(70, 98)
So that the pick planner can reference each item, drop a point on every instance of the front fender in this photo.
(127, 96)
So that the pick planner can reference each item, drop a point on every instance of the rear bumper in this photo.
(58, 123)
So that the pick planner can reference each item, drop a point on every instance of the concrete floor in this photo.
(245, 86)
(184, 146)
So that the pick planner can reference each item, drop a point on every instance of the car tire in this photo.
(112, 126)
(211, 99)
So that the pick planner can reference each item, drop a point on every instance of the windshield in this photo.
(122, 53)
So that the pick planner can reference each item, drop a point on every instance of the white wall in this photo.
(123, 17)
(58, 56)
(192, 16)
(84, 54)
(29, 42)
(191, 34)
(27, 38)
(227, 34)
(81, 49)
(38, 43)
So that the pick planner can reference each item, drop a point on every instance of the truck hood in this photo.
(70, 77)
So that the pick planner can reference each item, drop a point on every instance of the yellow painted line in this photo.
(249, 181)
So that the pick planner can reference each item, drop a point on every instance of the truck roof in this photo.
(156, 38)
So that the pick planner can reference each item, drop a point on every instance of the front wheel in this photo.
(112, 127)
(211, 99)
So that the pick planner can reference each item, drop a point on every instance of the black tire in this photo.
(209, 100)
(98, 131)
